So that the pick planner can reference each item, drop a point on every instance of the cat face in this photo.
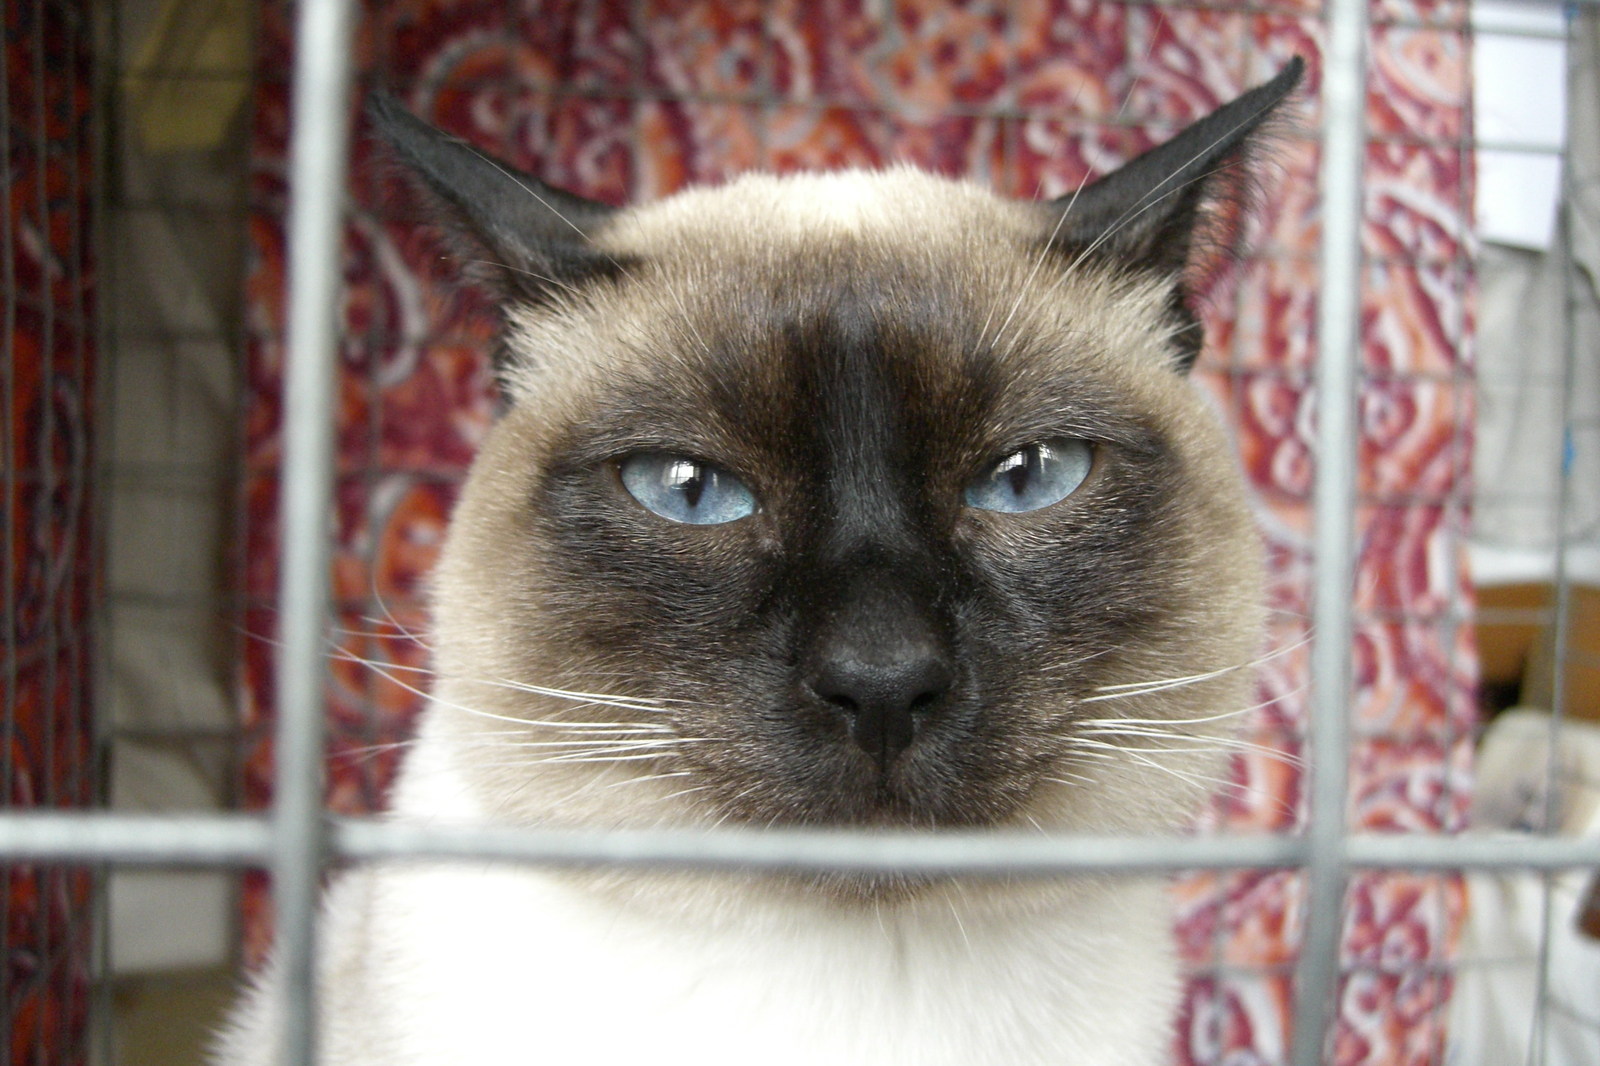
(855, 499)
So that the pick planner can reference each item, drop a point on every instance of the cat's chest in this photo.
(508, 966)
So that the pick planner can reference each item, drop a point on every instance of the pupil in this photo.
(1021, 470)
(688, 478)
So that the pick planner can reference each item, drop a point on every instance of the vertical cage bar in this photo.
(1566, 218)
(106, 27)
(78, 945)
(8, 506)
(47, 879)
(38, 479)
(318, 151)
(1338, 360)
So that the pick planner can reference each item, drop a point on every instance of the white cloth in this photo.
(1495, 1007)
(1523, 385)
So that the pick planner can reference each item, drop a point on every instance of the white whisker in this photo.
(601, 727)
(1070, 664)
(684, 791)
(586, 758)
(603, 744)
(1196, 742)
(955, 912)
(596, 698)
(1138, 754)
(375, 749)
(388, 616)
(1221, 716)
(1139, 688)
(651, 777)
(383, 672)
(1110, 753)
(581, 699)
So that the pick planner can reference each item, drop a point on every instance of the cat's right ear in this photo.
(521, 237)
(1177, 210)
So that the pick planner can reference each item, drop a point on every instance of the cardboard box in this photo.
(1517, 643)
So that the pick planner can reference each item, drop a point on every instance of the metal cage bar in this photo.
(1344, 101)
(297, 839)
(1566, 219)
(318, 161)
(246, 840)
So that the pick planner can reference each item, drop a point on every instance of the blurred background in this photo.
(145, 146)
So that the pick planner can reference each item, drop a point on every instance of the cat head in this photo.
(865, 498)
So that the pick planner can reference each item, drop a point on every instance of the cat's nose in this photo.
(884, 702)
(884, 697)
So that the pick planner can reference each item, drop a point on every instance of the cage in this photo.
(223, 332)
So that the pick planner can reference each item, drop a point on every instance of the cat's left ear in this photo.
(1170, 210)
(520, 237)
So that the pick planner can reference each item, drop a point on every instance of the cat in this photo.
(867, 500)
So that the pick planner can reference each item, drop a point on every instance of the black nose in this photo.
(884, 698)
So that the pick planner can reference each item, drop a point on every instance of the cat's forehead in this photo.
(740, 281)
(898, 203)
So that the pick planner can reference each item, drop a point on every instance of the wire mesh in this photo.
(637, 100)
(47, 758)
(634, 102)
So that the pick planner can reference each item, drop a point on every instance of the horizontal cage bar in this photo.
(244, 840)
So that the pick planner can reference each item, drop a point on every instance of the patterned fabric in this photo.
(625, 101)
(47, 580)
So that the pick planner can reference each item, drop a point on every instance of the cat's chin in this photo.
(872, 809)
(878, 890)
(888, 891)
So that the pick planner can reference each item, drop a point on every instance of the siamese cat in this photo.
(866, 500)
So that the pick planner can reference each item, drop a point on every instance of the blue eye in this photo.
(1032, 477)
(686, 490)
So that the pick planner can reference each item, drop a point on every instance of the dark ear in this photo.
(1170, 209)
(524, 238)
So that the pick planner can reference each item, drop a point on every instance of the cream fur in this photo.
(452, 964)
(469, 964)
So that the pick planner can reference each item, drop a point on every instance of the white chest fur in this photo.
(481, 965)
